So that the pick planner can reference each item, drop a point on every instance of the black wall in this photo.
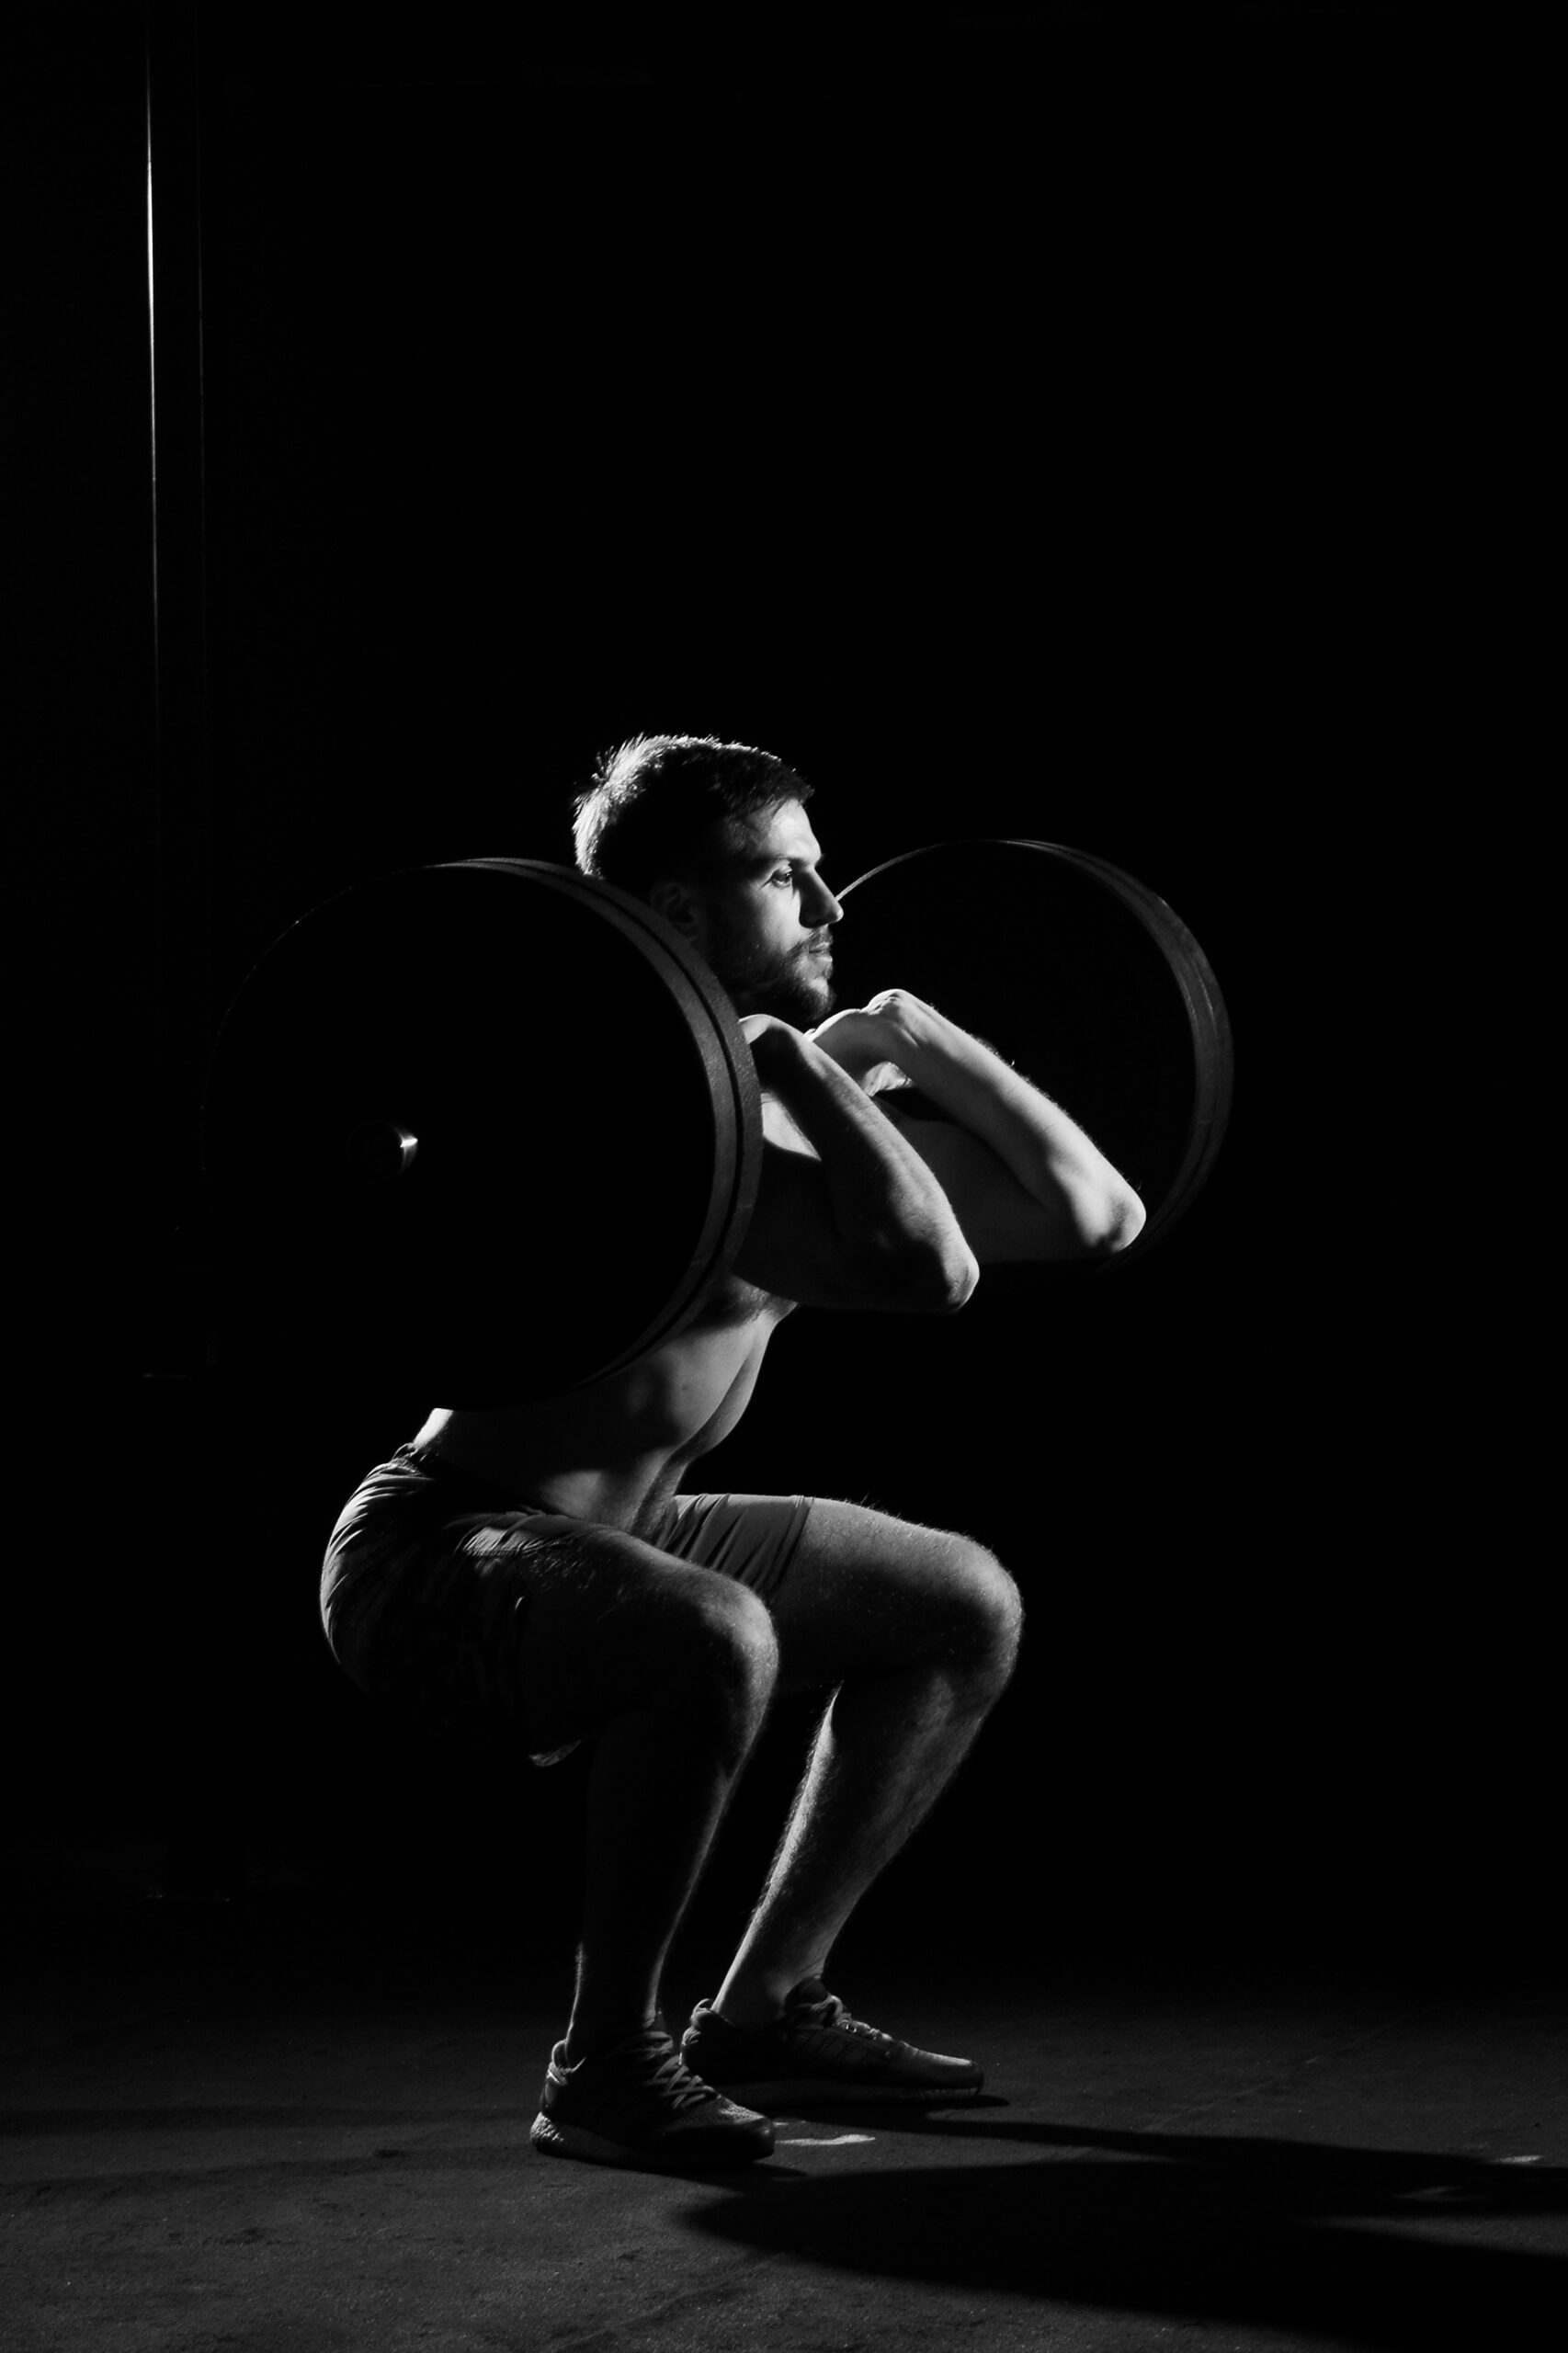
(1050, 425)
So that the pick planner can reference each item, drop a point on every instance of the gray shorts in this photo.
(428, 1576)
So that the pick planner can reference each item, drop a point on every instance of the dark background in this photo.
(1047, 420)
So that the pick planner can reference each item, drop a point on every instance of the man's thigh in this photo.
(866, 1593)
(527, 1631)
(610, 1622)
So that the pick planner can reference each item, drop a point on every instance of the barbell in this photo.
(487, 1131)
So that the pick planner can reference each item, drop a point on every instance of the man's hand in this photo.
(869, 1042)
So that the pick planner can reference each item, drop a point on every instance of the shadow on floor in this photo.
(1271, 2233)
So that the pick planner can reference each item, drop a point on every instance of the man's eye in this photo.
(784, 876)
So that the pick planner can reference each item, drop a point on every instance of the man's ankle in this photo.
(747, 2017)
(750, 2006)
(585, 2042)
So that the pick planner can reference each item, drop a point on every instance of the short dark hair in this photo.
(656, 803)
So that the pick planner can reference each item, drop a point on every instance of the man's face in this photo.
(765, 926)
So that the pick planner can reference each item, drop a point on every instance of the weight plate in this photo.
(485, 1132)
(1085, 982)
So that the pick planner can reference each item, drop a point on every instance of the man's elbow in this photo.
(933, 1279)
(956, 1275)
(1118, 1222)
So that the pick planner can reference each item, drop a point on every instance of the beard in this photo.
(795, 984)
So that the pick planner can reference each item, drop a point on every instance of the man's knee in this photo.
(991, 1606)
(731, 1627)
(615, 1627)
(716, 1643)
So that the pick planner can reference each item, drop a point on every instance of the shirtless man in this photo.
(529, 1580)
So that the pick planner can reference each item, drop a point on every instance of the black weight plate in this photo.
(585, 1125)
(1082, 977)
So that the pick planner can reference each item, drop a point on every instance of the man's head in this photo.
(716, 838)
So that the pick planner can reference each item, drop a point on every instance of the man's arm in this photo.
(864, 1222)
(1075, 1203)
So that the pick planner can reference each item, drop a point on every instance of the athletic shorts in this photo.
(425, 1585)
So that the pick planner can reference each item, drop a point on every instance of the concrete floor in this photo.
(278, 2125)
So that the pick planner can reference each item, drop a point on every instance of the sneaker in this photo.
(636, 2103)
(816, 2055)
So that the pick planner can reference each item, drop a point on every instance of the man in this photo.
(530, 1579)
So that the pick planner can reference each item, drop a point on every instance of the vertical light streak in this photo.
(152, 368)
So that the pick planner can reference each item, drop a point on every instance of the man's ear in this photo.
(677, 902)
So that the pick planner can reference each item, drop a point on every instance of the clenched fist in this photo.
(868, 1041)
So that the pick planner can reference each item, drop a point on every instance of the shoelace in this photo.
(671, 2077)
(831, 2012)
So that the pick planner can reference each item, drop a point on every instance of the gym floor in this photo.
(290, 2122)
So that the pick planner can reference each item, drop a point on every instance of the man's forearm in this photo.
(885, 1199)
(1047, 1152)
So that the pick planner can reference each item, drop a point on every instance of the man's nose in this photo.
(828, 908)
